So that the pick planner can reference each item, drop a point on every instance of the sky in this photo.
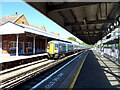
(10, 7)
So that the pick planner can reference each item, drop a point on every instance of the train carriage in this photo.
(56, 49)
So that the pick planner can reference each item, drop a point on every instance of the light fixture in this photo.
(119, 19)
(117, 23)
(108, 29)
(111, 26)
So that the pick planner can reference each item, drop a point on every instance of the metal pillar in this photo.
(45, 42)
(34, 45)
(0, 45)
(17, 44)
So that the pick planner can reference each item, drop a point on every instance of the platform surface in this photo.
(62, 77)
(97, 73)
(14, 58)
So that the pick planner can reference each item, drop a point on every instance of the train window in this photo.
(56, 46)
(64, 47)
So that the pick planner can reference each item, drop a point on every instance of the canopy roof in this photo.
(11, 28)
(88, 21)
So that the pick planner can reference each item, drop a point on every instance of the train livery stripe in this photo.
(72, 84)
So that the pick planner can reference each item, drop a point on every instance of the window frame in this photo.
(29, 45)
(12, 45)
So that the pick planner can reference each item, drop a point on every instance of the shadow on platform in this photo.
(92, 74)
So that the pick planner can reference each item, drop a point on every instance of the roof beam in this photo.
(90, 30)
(87, 40)
(100, 10)
(68, 5)
(90, 22)
(65, 19)
(106, 8)
(115, 12)
(88, 35)
(97, 13)
(84, 39)
(73, 15)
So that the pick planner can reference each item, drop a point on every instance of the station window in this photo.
(12, 45)
(22, 22)
(29, 45)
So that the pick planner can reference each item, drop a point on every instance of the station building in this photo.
(18, 37)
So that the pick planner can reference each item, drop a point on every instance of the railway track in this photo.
(9, 79)
(13, 77)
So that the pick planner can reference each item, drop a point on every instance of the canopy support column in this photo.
(45, 42)
(34, 45)
(0, 45)
(17, 37)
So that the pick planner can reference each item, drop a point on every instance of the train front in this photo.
(52, 49)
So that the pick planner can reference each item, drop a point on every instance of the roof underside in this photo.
(88, 21)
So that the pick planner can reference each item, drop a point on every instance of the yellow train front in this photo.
(52, 49)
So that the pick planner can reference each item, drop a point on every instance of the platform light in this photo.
(111, 26)
(108, 29)
(119, 19)
(117, 23)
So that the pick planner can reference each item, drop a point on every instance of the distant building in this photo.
(55, 33)
(20, 19)
(18, 37)
(17, 19)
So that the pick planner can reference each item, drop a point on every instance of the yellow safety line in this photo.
(72, 84)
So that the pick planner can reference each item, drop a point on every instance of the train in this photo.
(57, 49)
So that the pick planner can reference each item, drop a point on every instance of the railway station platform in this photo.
(98, 72)
(4, 59)
(7, 62)
(87, 70)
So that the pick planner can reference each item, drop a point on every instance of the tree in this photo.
(72, 39)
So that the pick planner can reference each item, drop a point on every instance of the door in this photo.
(22, 47)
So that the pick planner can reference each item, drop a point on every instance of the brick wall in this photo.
(22, 20)
(40, 45)
(6, 43)
(6, 39)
